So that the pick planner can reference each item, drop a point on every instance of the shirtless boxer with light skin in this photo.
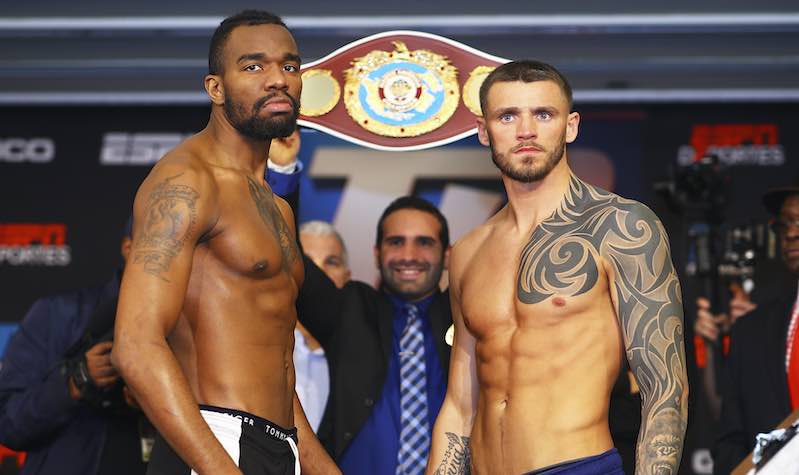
(547, 297)
(207, 304)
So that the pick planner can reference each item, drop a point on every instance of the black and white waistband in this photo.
(264, 426)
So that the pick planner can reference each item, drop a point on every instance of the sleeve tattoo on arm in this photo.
(457, 457)
(560, 258)
(169, 217)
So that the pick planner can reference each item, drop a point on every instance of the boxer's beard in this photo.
(528, 172)
(254, 126)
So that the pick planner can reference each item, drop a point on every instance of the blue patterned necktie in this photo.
(414, 433)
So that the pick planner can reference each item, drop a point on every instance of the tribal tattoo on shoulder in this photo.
(270, 215)
(170, 215)
(457, 458)
(561, 257)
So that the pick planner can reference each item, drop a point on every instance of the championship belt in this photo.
(398, 90)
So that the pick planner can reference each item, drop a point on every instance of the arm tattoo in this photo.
(271, 216)
(560, 257)
(169, 218)
(457, 457)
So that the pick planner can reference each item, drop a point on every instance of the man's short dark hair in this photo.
(527, 70)
(222, 33)
(414, 202)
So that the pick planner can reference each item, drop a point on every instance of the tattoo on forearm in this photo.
(561, 257)
(169, 218)
(457, 458)
(271, 216)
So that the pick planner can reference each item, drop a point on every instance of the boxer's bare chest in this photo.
(254, 239)
(559, 270)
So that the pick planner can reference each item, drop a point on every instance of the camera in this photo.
(100, 328)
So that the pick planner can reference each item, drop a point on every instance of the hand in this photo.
(708, 325)
(284, 151)
(98, 363)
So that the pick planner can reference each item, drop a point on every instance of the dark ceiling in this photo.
(149, 51)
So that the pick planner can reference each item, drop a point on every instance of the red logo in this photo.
(28, 244)
(704, 136)
(33, 234)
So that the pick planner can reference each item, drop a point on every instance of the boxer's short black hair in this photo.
(222, 33)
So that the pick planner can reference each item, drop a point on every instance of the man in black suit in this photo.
(365, 334)
(384, 393)
(762, 385)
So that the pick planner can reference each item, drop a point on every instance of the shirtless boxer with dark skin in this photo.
(207, 303)
(548, 296)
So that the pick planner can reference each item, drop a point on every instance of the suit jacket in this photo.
(755, 395)
(353, 325)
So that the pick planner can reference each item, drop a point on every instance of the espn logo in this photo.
(26, 244)
(704, 136)
(21, 150)
(734, 144)
(122, 148)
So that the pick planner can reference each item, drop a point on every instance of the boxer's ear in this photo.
(572, 126)
(482, 132)
(215, 89)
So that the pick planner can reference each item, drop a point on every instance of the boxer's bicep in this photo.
(171, 213)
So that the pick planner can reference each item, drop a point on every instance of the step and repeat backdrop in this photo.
(68, 176)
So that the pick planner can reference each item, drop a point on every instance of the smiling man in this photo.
(385, 347)
(204, 329)
(547, 297)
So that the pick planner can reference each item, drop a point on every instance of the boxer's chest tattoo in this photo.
(270, 215)
(170, 215)
(561, 255)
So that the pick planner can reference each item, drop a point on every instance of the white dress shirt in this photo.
(313, 380)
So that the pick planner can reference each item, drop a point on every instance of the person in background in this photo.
(761, 387)
(324, 246)
(386, 348)
(61, 400)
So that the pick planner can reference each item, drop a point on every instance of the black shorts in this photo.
(255, 444)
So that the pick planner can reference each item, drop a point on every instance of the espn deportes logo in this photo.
(25, 244)
(21, 150)
(145, 148)
(734, 144)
